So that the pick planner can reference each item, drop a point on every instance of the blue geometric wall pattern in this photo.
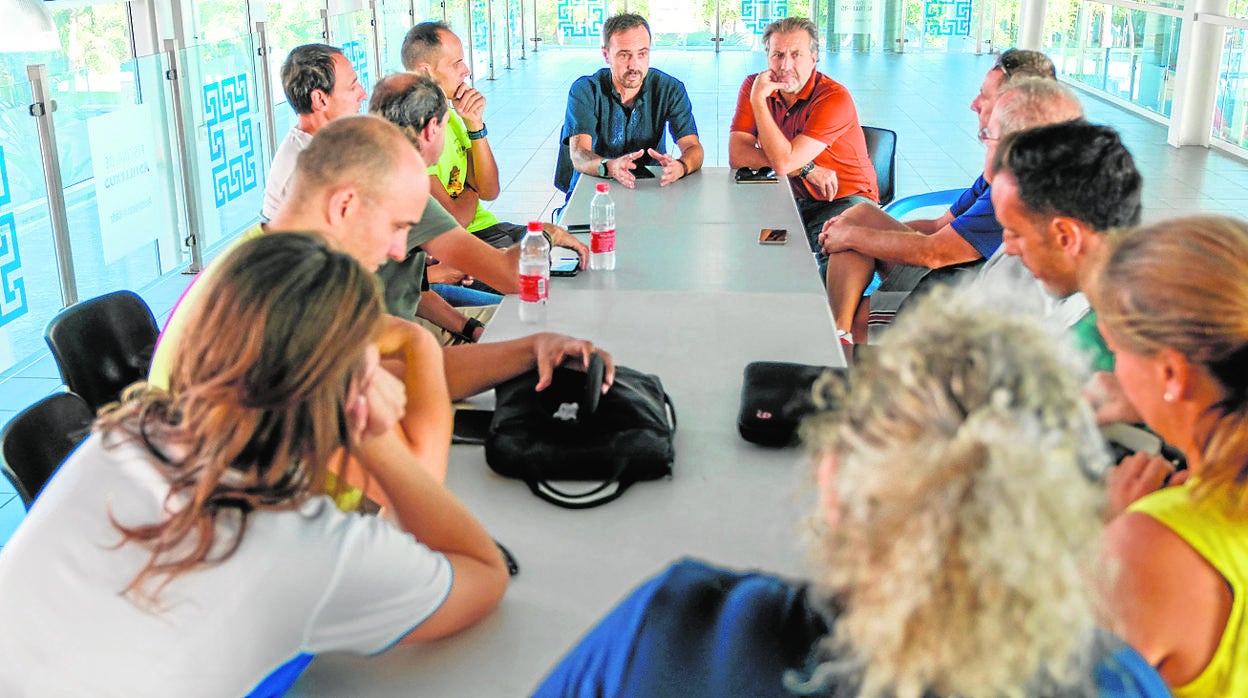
(358, 56)
(580, 18)
(947, 17)
(227, 108)
(757, 14)
(12, 282)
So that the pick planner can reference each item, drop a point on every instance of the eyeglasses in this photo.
(984, 137)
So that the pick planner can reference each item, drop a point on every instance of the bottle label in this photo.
(533, 288)
(601, 241)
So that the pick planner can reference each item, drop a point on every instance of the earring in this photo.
(1168, 397)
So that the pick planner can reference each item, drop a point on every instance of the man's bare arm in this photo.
(463, 207)
(474, 368)
(482, 168)
(691, 152)
(435, 309)
(743, 151)
(940, 249)
(465, 251)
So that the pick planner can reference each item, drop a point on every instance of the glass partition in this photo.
(941, 25)
(1230, 111)
(30, 289)
(1126, 53)
(118, 173)
(223, 120)
(353, 33)
(394, 19)
(578, 23)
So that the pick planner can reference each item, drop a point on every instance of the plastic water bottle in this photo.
(602, 230)
(534, 274)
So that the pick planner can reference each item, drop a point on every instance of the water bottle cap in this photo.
(535, 226)
(603, 187)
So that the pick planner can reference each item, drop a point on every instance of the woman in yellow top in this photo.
(1172, 299)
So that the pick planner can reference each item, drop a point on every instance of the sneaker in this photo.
(845, 337)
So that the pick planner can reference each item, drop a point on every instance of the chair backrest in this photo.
(103, 344)
(882, 147)
(35, 442)
(564, 169)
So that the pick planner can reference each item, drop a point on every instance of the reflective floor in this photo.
(924, 97)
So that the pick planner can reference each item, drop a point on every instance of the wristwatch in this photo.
(602, 168)
(806, 169)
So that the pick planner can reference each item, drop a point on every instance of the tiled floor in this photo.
(924, 97)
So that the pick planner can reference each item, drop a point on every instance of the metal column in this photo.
(523, 36)
(508, 35)
(469, 41)
(174, 76)
(536, 30)
(42, 109)
(489, 34)
(372, 5)
(266, 88)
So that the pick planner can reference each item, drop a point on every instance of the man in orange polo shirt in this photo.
(802, 123)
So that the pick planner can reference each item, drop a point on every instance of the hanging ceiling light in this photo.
(27, 26)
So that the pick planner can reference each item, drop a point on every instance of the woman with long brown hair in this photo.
(182, 550)
(1172, 300)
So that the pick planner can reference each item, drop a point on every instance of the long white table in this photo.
(728, 501)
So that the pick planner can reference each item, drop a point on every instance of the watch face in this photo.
(602, 168)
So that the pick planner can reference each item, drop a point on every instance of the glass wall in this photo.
(394, 18)
(353, 33)
(30, 291)
(1230, 112)
(224, 119)
(1125, 52)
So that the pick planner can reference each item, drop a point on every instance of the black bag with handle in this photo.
(571, 431)
(775, 398)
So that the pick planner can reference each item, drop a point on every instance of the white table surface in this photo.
(696, 324)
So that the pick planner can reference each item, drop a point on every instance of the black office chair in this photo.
(35, 442)
(882, 147)
(103, 345)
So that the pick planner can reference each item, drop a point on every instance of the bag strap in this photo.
(671, 410)
(588, 499)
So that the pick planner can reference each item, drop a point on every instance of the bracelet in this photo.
(470, 328)
(806, 169)
(550, 239)
(478, 135)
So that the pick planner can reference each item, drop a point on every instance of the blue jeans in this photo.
(461, 297)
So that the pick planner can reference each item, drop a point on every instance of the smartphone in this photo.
(577, 228)
(565, 266)
(773, 236)
(643, 172)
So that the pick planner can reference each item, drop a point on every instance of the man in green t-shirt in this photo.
(466, 174)
(1057, 191)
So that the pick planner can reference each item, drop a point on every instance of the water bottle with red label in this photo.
(534, 274)
(602, 230)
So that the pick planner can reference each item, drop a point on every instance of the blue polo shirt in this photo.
(975, 220)
(594, 108)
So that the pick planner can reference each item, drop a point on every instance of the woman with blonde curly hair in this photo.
(958, 522)
(1172, 299)
(182, 550)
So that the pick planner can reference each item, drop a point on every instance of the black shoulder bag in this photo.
(571, 431)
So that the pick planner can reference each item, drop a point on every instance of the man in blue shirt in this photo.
(616, 117)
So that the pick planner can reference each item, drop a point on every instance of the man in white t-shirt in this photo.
(321, 86)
